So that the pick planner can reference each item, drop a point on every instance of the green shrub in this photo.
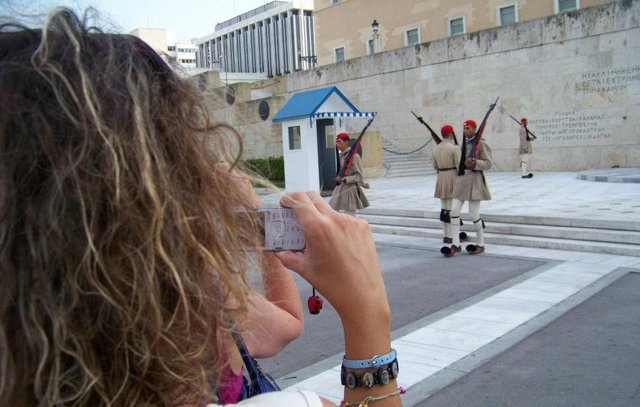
(271, 168)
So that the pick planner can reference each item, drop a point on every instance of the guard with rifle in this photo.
(471, 184)
(526, 149)
(446, 156)
(348, 196)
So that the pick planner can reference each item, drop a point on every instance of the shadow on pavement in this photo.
(419, 283)
(590, 356)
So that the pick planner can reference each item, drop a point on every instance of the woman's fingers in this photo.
(292, 261)
(340, 259)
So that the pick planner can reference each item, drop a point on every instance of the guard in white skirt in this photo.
(472, 187)
(348, 196)
(526, 149)
(446, 156)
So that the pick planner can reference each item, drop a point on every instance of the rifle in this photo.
(483, 125)
(354, 149)
(476, 150)
(533, 136)
(433, 133)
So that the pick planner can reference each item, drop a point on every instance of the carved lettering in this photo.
(569, 128)
(608, 81)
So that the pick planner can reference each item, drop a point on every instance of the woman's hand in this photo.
(341, 262)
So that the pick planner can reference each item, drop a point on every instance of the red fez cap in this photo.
(470, 122)
(343, 136)
(446, 129)
(524, 120)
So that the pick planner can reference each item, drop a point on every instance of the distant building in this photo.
(177, 53)
(347, 29)
(184, 54)
(274, 39)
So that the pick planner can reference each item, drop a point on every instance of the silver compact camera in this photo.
(281, 230)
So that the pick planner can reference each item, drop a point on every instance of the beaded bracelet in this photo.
(365, 401)
(374, 361)
(369, 379)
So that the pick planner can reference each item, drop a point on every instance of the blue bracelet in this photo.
(374, 361)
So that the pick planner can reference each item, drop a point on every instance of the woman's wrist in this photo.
(367, 335)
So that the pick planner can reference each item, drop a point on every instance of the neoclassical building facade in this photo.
(347, 29)
(275, 39)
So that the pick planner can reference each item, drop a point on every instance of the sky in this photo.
(187, 19)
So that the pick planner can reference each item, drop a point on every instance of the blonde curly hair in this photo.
(122, 260)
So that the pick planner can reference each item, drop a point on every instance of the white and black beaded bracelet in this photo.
(368, 379)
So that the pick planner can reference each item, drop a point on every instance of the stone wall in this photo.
(575, 75)
(371, 154)
(238, 105)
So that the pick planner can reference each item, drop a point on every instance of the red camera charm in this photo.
(315, 304)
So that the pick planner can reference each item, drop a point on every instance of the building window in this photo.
(338, 54)
(171, 48)
(295, 138)
(456, 26)
(507, 15)
(329, 137)
(370, 47)
(566, 5)
(412, 37)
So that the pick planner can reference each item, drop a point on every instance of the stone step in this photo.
(399, 160)
(406, 165)
(519, 229)
(519, 219)
(411, 164)
(393, 173)
(585, 235)
(401, 164)
(523, 241)
(409, 170)
(402, 157)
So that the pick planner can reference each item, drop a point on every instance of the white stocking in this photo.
(474, 212)
(524, 162)
(456, 207)
(446, 227)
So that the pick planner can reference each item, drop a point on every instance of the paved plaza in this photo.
(498, 323)
(555, 194)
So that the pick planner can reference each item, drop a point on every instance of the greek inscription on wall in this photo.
(613, 80)
(571, 128)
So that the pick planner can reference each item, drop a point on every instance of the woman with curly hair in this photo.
(123, 257)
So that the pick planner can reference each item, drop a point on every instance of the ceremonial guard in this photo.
(446, 156)
(471, 186)
(526, 149)
(348, 196)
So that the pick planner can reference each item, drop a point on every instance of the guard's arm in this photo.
(484, 161)
(356, 168)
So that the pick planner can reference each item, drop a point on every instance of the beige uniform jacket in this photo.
(349, 196)
(472, 186)
(446, 157)
(525, 146)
